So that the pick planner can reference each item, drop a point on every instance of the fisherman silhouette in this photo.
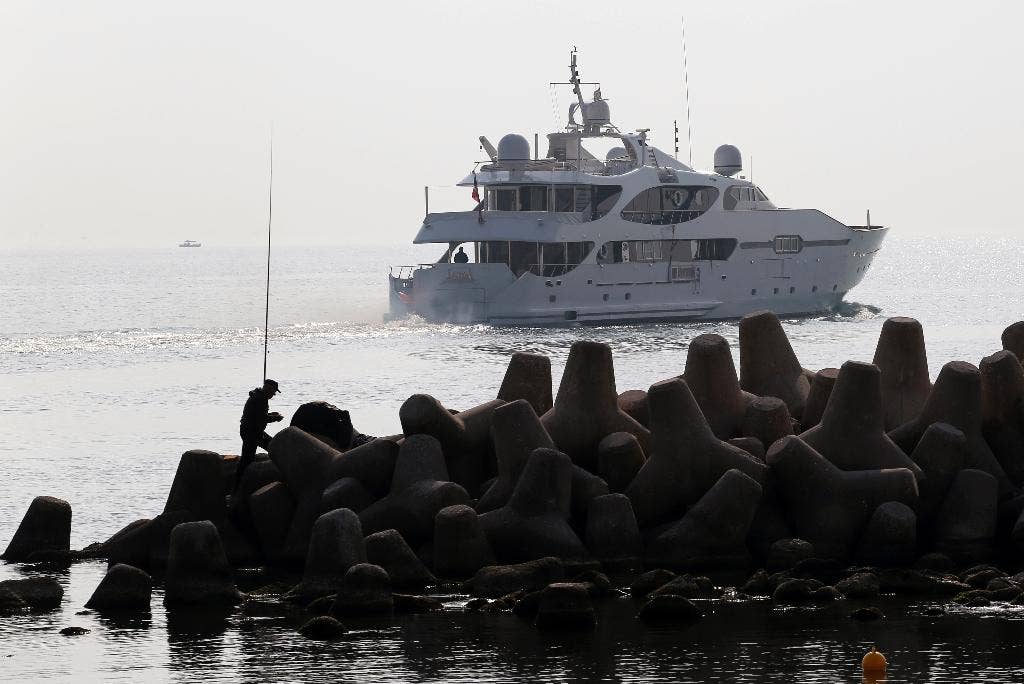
(461, 257)
(252, 427)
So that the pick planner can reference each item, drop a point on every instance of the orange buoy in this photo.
(873, 662)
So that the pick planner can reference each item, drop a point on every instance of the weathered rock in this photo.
(123, 589)
(534, 523)
(410, 603)
(649, 581)
(966, 523)
(199, 486)
(890, 537)
(38, 593)
(347, 492)
(956, 399)
(365, 590)
(916, 582)
(517, 432)
(1002, 411)
(690, 587)
(322, 628)
(817, 397)
(197, 568)
(612, 534)
(528, 377)
(686, 458)
(460, 546)
(767, 419)
(11, 603)
(499, 580)
(634, 404)
(827, 506)
(619, 459)
(785, 553)
(390, 551)
(45, 527)
(903, 361)
(1013, 340)
(868, 614)
(419, 489)
(860, 585)
(713, 532)
(851, 433)
(825, 570)
(935, 562)
(759, 584)
(565, 605)
(980, 576)
(586, 408)
(271, 508)
(711, 376)
(940, 454)
(73, 631)
(669, 608)
(325, 421)
(804, 591)
(768, 366)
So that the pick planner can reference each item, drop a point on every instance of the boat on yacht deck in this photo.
(577, 237)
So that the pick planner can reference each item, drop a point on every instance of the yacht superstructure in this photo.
(638, 235)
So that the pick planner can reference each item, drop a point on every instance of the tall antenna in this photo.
(675, 125)
(686, 84)
(270, 216)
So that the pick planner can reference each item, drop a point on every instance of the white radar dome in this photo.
(513, 147)
(728, 161)
(615, 153)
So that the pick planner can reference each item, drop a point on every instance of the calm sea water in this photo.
(115, 362)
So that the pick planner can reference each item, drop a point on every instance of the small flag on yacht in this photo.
(476, 190)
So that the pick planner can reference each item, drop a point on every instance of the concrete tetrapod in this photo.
(365, 590)
(619, 459)
(198, 573)
(419, 489)
(768, 366)
(767, 419)
(890, 536)
(956, 399)
(903, 360)
(940, 454)
(372, 464)
(272, 508)
(465, 437)
(827, 506)
(516, 432)
(460, 545)
(713, 532)
(535, 522)
(851, 433)
(528, 377)
(335, 546)
(348, 492)
(634, 404)
(45, 527)
(389, 550)
(586, 407)
(711, 376)
(612, 533)
(966, 524)
(124, 589)
(1013, 340)
(686, 458)
(817, 399)
(198, 486)
(1002, 411)
(303, 461)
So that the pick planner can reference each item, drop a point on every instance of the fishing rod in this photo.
(270, 216)
(686, 86)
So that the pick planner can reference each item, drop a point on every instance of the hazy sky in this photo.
(144, 123)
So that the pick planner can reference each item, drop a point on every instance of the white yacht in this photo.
(576, 237)
(190, 243)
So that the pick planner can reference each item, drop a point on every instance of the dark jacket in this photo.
(254, 415)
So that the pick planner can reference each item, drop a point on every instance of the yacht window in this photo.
(533, 198)
(714, 249)
(501, 199)
(761, 197)
(731, 199)
(654, 251)
(666, 204)
(564, 200)
(605, 197)
(788, 244)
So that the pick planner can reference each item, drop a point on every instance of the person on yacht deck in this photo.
(461, 257)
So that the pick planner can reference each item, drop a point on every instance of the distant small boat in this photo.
(190, 243)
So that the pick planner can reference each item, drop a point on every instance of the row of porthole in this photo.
(792, 290)
(604, 297)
